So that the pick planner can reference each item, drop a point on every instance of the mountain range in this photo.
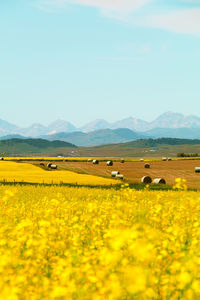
(98, 132)
(97, 137)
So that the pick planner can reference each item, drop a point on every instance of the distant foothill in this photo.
(99, 132)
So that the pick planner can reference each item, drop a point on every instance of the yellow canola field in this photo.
(80, 243)
(36, 158)
(18, 172)
(127, 159)
(71, 158)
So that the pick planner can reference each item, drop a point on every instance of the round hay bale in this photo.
(95, 162)
(114, 173)
(122, 160)
(146, 179)
(197, 170)
(109, 163)
(159, 181)
(89, 160)
(120, 176)
(147, 166)
(49, 165)
(54, 167)
(164, 158)
(169, 158)
(1, 158)
(141, 159)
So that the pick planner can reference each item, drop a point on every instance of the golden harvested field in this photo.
(18, 172)
(134, 171)
(80, 243)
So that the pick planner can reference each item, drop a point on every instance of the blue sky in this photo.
(81, 60)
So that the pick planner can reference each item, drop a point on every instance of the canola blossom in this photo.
(18, 172)
(80, 243)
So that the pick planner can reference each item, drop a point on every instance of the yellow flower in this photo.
(135, 280)
(62, 243)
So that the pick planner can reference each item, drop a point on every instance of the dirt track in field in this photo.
(134, 171)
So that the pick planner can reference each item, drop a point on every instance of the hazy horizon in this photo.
(93, 120)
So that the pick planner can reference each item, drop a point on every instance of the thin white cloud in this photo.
(106, 6)
(114, 5)
(183, 21)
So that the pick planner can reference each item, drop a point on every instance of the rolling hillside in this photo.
(33, 146)
(146, 143)
(142, 147)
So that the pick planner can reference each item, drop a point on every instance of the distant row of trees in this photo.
(182, 154)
